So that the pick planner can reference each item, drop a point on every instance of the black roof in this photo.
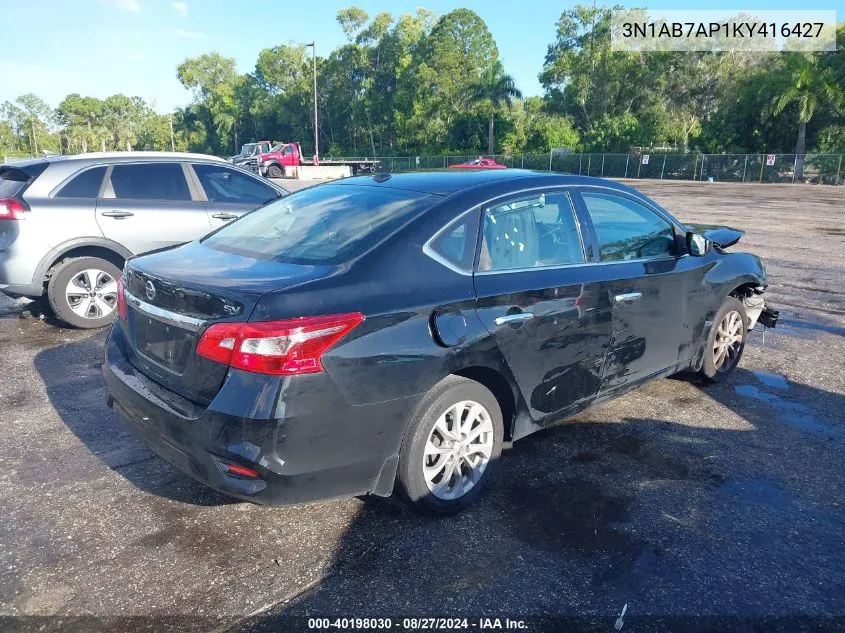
(448, 181)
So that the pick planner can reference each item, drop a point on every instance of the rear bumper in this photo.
(318, 448)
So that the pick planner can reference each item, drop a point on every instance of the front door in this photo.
(230, 193)
(648, 285)
(542, 301)
(146, 206)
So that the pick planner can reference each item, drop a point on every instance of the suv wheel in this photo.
(83, 291)
(451, 446)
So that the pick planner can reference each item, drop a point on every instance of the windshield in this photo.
(276, 147)
(327, 224)
(247, 149)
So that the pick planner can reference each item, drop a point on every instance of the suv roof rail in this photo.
(134, 155)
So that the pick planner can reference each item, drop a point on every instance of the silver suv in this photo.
(67, 223)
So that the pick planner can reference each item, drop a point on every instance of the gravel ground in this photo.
(716, 505)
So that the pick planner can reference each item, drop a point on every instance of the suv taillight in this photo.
(121, 298)
(285, 348)
(11, 209)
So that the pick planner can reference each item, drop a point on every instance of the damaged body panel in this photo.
(284, 358)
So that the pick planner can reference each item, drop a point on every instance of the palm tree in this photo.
(497, 88)
(803, 82)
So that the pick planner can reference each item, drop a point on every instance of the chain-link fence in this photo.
(827, 169)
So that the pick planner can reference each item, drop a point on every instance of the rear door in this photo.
(649, 281)
(543, 300)
(230, 193)
(146, 206)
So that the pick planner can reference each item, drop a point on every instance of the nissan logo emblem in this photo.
(150, 290)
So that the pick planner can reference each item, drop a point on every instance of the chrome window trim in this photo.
(160, 314)
(430, 252)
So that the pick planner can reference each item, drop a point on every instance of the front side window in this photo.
(150, 181)
(327, 224)
(84, 185)
(530, 232)
(627, 229)
(223, 184)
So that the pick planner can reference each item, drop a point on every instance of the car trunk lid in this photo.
(173, 295)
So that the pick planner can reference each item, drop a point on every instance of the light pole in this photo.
(316, 129)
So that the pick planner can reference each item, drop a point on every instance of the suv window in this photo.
(12, 181)
(627, 229)
(456, 243)
(222, 184)
(85, 184)
(150, 181)
(329, 224)
(530, 232)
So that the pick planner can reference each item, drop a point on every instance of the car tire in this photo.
(70, 289)
(726, 341)
(438, 443)
(274, 171)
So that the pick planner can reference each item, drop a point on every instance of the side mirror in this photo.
(697, 244)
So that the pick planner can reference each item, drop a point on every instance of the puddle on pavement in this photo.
(794, 413)
(775, 381)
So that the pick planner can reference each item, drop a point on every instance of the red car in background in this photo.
(479, 163)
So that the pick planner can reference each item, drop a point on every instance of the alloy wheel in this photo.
(92, 293)
(728, 342)
(458, 450)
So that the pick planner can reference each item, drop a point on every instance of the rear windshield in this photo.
(329, 224)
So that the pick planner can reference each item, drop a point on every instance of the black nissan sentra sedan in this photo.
(399, 328)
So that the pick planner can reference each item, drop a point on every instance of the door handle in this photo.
(117, 213)
(628, 297)
(514, 318)
(224, 216)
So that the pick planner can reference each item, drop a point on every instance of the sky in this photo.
(104, 47)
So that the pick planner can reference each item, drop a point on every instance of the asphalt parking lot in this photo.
(681, 500)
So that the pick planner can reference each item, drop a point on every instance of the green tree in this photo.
(802, 83)
(436, 93)
(32, 120)
(496, 89)
(213, 81)
(584, 78)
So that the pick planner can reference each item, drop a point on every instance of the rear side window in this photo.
(12, 181)
(327, 224)
(150, 181)
(456, 243)
(223, 184)
(84, 185)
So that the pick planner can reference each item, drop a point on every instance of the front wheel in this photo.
(274, 171)
(83, 292)
(726, 341)
(451, 446)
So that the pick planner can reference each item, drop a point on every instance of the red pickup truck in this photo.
(278, 162)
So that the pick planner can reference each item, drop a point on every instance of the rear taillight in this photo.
(284, 348)
(121, 298)
(11, 209)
